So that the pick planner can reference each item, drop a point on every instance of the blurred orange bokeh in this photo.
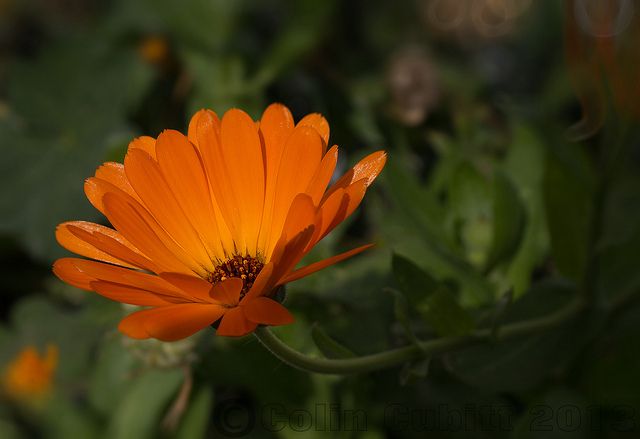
(602, 58)
(28, 378)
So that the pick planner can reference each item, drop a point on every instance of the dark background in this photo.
(512, 178)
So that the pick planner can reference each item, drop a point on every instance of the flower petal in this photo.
(170, 323)
(114, 173)
(133, 325)
(367, 168)
(318, 123)
(316, 266)
(142, 230)
(356, 192)
(242, 156)
(95, 190)
(146, 144)
(338, 207)
(66, 270)
(275, 127)
(180, 321)
(147, 180)
(301, 215)
(351, 199)
(210, 147)
(329, 214)
(182, 169)
(75, 243)
(131, 295)
(300, 160)
(192, 131)
(193, 286)
(265, 311)
(288, 255)
(322, 177)
(262, 284)
(112, 243)
(235, 324)
(228, 291)
(111, 273)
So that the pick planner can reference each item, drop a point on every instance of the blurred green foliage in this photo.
(486, 214)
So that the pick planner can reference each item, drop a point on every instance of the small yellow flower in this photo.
(29, 376)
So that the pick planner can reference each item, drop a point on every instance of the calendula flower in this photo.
(207, 226)
(29, 376)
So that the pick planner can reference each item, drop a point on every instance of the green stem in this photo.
(394, 357)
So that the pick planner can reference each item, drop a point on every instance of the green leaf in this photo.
(414, 282)
(432, 299)
(445, 315)
(220, 83)
(327, 345)
(509, 218)
(196, 419)
(469, 211)
(525, 166)
(305, 29)
(62, 125)
(414, 202)
(139, 414)
(415, 226)
(207, 25)
(110, 378)
(65, 419)
(568, 192)
(523, 363)
(401, 312)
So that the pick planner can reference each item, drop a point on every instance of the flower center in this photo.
(246, 268)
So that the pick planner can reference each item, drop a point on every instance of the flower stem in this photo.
(394, 357)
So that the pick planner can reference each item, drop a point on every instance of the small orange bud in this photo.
(154, 50)
(29, 376)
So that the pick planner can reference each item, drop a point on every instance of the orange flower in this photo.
(220, 218)
(28, 377)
